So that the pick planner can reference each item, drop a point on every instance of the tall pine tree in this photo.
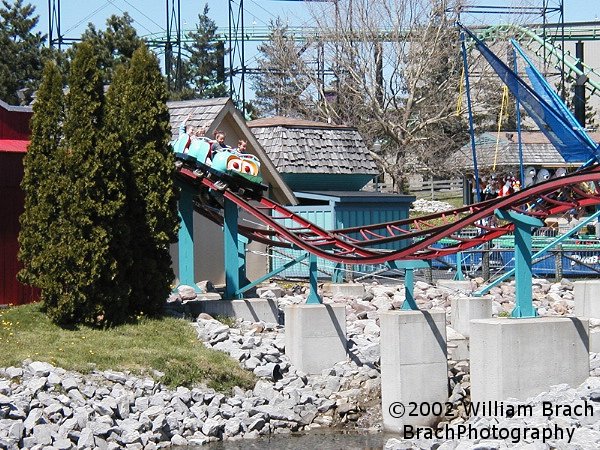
(42, 181)
(21, 56)
(283, 75)
(137, 113)
(204, 71)
(88, 282)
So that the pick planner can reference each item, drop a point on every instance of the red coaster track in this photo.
(352, 245)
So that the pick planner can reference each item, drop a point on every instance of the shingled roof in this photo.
(537, 151)
(301, 146)
(202, 113)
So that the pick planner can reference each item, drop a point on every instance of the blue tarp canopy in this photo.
(545, 108)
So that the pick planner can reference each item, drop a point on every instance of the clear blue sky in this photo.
(149, 15)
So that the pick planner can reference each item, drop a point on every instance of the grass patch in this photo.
(168, 345)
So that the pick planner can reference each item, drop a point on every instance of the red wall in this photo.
(13, 125)
(11, 207)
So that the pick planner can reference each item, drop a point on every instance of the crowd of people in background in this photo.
(500, 185)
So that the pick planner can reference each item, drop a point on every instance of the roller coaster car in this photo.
(239, 172)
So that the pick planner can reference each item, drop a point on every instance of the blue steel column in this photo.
(523, 271)
(232, 267)
(470, 110)
(409, 280)
(313, 295)
(338, 275)
(409, 291)
(459, 273)
(186, 237)
(518, 112)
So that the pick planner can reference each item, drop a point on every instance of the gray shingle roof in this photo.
(203, 112)
(313, 147)
(537, 151)
(14, 108)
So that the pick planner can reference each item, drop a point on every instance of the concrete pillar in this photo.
(465, 309)
(253, 310)
(414, 366)
(315, 336)
(587, 298)
(520, 358)
(587, 304)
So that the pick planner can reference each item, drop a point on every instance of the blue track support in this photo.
(409, 280)
(518, 112)
(470, 110)
(186, 237)
(231, 250)
(313, 295)
(286, 266)
(338, 274)
(523, 229)
(409, 291)
(459, 273)
(554, 243)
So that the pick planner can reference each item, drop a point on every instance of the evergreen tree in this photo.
(137, 112)
(88, 282)
(283, 75)
(42, 181)
(114, 45)
(204, 71)
(21, 56)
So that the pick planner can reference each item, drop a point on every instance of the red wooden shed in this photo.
(14, 138)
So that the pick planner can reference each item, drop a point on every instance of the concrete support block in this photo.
(356, 290)
(458, 345)
(520, 358)
(315, 336)
(595, 340)
(587, 298)
(455, 285)
(414, 365)
(465, 309)
(255, 310)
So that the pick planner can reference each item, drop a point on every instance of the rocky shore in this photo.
(42, 406)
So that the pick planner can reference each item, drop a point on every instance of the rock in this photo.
(211, 427)
(271, 371)
(40, 369)
(86, 439)
(179, 440)
(62, 444)
(206, 286)
(117, 377)
(187, 292)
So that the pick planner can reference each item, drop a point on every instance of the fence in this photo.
(432, 189)
(437, 189)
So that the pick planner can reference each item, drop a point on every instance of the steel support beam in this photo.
(523, 230)
(186, 236)
(231, 250)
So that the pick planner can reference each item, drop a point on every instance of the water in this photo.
(318, 439)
